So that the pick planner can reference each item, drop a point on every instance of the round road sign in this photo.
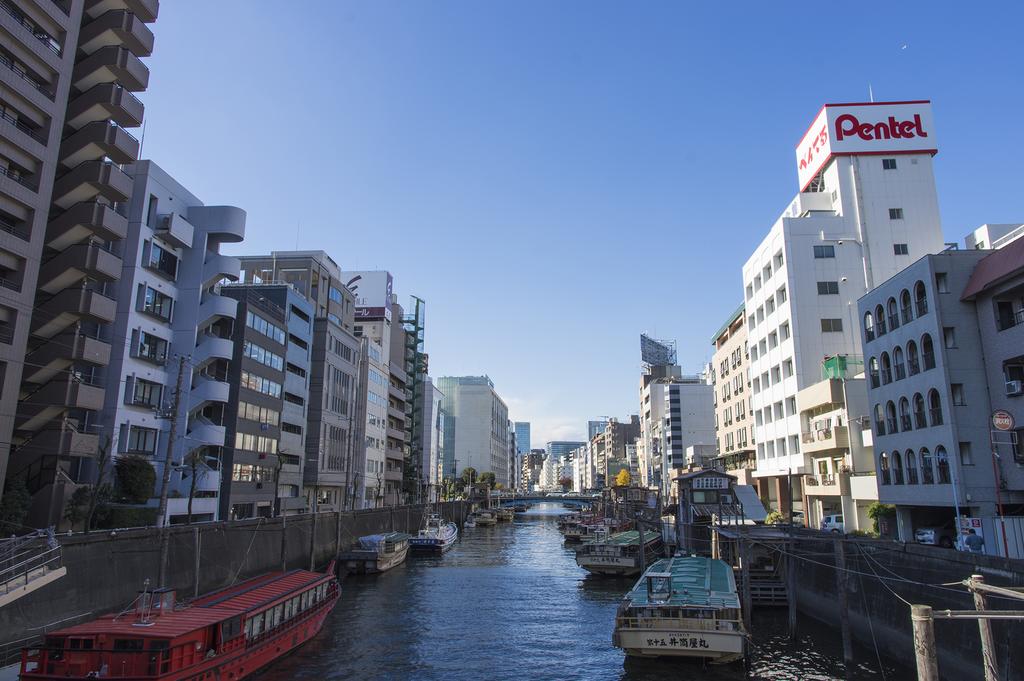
(1002, 420)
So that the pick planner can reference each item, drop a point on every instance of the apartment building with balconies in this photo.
(730, 380)
(67, 73)
(836, 436)
(170, 315)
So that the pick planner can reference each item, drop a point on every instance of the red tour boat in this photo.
(223, 636)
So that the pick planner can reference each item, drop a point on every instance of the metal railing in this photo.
(672, 623)
(37, 33)
(1016, 319)
(20, 72)
(20, 125)
(17, 177)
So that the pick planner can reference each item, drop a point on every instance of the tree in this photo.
(566, 484)
(468, 476)
(488, 478)
(622, 479)
(878, 511)
(136, 479)
(89, 502)
(196, 459)
(14, 504)
(774, 518)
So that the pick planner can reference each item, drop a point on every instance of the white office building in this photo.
(476, 427)
(866, 208)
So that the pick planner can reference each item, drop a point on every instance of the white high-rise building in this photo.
(867, 208)
(476, 431)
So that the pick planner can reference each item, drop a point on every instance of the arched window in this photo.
(942, 463)
(886, 369)
(905, 423)
(934, 408)
(883, 468)
(869, 326)
(905, 307)
(894, 317)
(890, 417)
(897, 363)
(910, 461)
(913, 361)
(919, 418)
(927, 352)
(921, 298)
(873, 371)
(897, 468)
(879, 420)
(879, 320)
(927, 473)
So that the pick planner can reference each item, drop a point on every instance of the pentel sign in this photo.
(872, 128)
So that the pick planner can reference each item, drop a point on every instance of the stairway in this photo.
(28, 563)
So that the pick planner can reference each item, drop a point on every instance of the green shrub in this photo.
(136, 479)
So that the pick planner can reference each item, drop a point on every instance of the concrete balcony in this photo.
(86, 260)
(175, 230)
(396, 434)
(146, 10)
(206, 391)
(82, 220)
(836, 437)
(98, 140)
(215, 307)
(397, 393)
(117, 28)
(828, 486)
(56, 397)
(102, 102)
(67, 348)
(211, 348)
(64, 440)
(393, 476)
(219, 266)
(823, 394)
(110, 64)
(69, 306)
(204, 432)
(88, 180)
(396, 413)
(224, 223)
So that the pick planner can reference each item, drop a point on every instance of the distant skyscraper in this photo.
(595, 427)
(522, 437)
(561, 447)
(477, 434)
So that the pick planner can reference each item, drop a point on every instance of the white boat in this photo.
(437, 536)
(376, 553)
(683, 607)
(619, 554)
(470, 521)
(484, 517)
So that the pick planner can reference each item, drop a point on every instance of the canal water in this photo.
(509, 602)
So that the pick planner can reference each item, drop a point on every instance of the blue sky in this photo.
(556, 177)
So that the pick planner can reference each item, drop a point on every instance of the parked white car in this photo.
(832, 523)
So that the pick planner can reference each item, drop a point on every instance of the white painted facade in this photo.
(870, 214)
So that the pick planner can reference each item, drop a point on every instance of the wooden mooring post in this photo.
(791, 583)
(988, 648)
(747, 604)
(924, 642)
(839, 548)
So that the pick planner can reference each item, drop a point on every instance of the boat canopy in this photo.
(695, 583)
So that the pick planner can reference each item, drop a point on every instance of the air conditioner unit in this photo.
(1015, 387)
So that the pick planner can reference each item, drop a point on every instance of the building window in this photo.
(879, 420)
(897, 363)
(778, 260)
(934, 408)
(773, 339)
(769, 306)
(750, 291)
(146, 393)
(272, 331)
(784, 330)
(790, 406)
(263, 356)
(787, 368)
(156, 303)
(927, 352)
(891, 424)
(949, 336)
(894, 318)
(942, 462)
(927, 472)
(780, 295)
(260, 384)
(831, 325)
(958, 394)
(922, 299)
(895, 213)
(900, 249)
(966, 457)
(913, 361)
(141, 440)
(873, 373)
(888, 164)
(162, 260)
(910, 460)
(941, 282)
(828, 251)
(152, 348)
(776, 374)
(869, 327)
(905, 423)
(883, 468)
(919, 418)
(828, 288)
(906, 309)
(1018, 446)
(879, 320)
(897, 468)
(258, 414)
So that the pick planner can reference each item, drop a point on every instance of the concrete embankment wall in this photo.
(106, 569)
(879, 617)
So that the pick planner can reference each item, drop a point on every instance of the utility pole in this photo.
(161, 514)
(924, 642)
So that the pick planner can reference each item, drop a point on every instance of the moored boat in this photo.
(682, 607)
(437, 536)
(589, 528)
(227, 634)
(484, 517)
(376, 553)
(505, 514)
(619, 554)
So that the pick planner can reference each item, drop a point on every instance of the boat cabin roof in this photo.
(202, 612)
(627, 538)
(696, 583)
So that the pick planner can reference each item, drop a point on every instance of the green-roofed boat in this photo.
(619, 554)
(683, 607)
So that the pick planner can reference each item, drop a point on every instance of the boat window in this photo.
(128, 644)
(705, 496)
(289, 609)
(248, 628)
(277, 614)
(304, 600)
(257, 624)
(295, 606)
(80, 643)
(229, 629)
(659, 588)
